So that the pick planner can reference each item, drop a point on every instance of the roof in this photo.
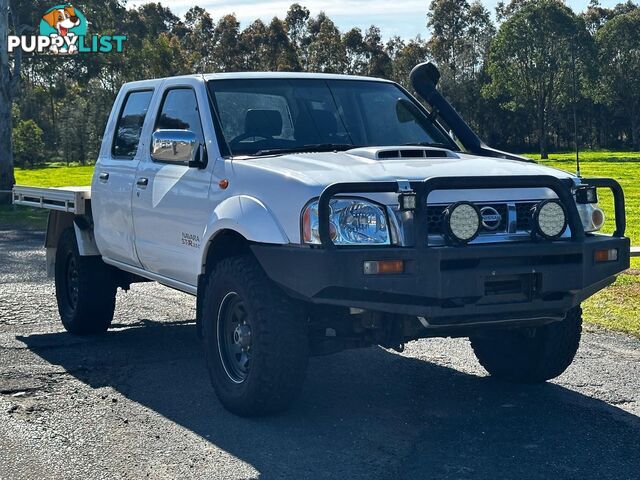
(288, 75)
(259, 75)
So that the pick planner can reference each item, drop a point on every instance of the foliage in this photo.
(619, 80)
(28, 144)
(70, 97)
(533, 60)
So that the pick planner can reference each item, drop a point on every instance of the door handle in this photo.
(104, 176)
(142, 182)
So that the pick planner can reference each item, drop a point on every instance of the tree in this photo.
(618, 42)
(198, 38)
(254, 46)
(28, 143)
(296, 24)
(405, 56)
(227, 51)
(9, 83)
(530, 60)
(326, 50)
(596, 16)
(448, 21)
(480, 33)
(506, 10)
(461, 34)
(282, 55)
(356, 52)
(378, 61)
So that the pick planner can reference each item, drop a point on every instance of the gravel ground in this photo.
(137, 403)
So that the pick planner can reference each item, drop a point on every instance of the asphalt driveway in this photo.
(137, 403)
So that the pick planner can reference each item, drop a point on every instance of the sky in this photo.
(406, 18)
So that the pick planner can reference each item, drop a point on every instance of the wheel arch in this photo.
(225, 243)
(248, 216)
(57, 223)
(235, 224)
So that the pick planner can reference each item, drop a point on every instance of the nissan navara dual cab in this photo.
(311, 213)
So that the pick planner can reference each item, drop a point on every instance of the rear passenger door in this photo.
(171, 204)
(114, 177)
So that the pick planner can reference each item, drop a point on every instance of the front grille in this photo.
(435, 218)
(523, 215)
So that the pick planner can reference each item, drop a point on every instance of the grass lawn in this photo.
(54, 176)
(22, 218)
(617, 307)
(626, 171)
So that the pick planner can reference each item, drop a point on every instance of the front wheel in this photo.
(85, 288)
(255, 337)
(530, 355)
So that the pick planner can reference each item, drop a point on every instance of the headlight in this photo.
(592, 217)
(549, 219)
(462, 222)
(351, 222)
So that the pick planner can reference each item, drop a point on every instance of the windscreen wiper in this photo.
(313, 147)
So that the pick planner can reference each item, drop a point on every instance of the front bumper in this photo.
(448, 285)
(452, 285)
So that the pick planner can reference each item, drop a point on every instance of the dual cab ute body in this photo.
(314, 212)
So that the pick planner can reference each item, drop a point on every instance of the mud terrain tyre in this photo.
(530, 355)
(85, 288)
(255, 337)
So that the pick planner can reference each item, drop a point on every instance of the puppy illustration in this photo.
(63, 19)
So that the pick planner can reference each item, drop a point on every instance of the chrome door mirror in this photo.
(177, 146)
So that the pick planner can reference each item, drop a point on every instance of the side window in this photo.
(179, 111)
(129, 125)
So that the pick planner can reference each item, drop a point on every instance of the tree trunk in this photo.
(8, 86)
(6, 155)
(634, 128)
(542, 134)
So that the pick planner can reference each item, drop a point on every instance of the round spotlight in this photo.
(462, 222)
(550, 219)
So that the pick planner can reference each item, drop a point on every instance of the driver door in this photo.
(171, 202)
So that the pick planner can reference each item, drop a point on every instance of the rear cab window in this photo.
(129, 125)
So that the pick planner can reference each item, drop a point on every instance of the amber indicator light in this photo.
(383, 267)
(609, 255)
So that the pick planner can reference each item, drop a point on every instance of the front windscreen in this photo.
(259, 116)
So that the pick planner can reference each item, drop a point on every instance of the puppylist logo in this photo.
(63, 29)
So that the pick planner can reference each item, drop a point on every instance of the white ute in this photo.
(311, 213)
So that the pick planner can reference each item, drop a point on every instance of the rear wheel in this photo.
(85, 288)
(530, 355)
(255, 337)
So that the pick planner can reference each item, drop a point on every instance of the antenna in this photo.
(575, 101)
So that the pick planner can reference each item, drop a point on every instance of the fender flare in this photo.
(247, 216)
